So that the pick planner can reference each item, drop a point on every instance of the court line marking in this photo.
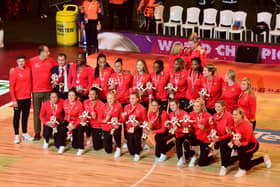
(5, 105)
(145, 176)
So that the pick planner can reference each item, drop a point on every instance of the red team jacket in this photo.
(116, 111)
(194, 85)
(123, 83)
(47, 111)
(139, 112)
(157, 127)
(221, 123)
(84, 78)
(180, 80)
(94, 108)
(41, 73)
(72, 113)
(246, 131)
(20, 84)
(159, 82)
(230, 95)
(102, 81)
(201, 53)
(138, 78)
(248, 103)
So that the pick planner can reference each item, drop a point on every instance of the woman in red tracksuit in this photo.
(246, 145)
(156, 124)
(111, 124)
(134, 115)
(80, 76)
(101, 75)
(194, 82)
(121, 81)
(179, 79)
(51, 115)
(195, 50)
(73, 109)
(183, 133)
(160, 80)
(202, 122)
(230, 91)
(213, 84)
(247, 101)
(20, 91)
(94, 107)
(223, 124)
(140, 79)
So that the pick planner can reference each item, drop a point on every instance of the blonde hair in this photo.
(146, 70)
(211, 68)
(231, 74)
(112, 93)
(193, 37)
(242, 113)
(202, 104)
(177, 48)
(249, 83)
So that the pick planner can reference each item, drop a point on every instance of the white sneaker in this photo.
(162, 157)
(181, 162)
(27, 137)
(60, 150)
(136, 158)
(240, 173)
(17, 140)
(88, 142)
(267, 161)
(124, 146)
(223, 171)
(192, 161)
(117, 153)
(146, 147)
(156, 159)
(80, 152)
(45, 145)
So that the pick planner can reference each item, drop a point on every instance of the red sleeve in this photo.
(203, 58)
(54, 63)
(141, 4)
(81, 109)
(29, 63)
(12, 85)
(230, 125)
(69, 79)
(252, 108)
(144, 115)
(246, 135)
(90, 79)
(43, 113)
(164, 118)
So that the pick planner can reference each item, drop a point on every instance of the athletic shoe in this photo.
(124, 146)
(267, 161)
(181, 162)
(223, 171)
(16, 140)
(136, 158)
(156, 159)
(162, 157)
(27, 137)
(146, 147)
(60, 150)
(80, 152)
(45, 145)
(192, 161)
(240, 173)
(117, 153)
(37, 137)
(88, 142)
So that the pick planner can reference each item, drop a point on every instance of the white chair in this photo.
(158, 16)
(242, 18)
(276, 31)
(209, 21)
(192, 20)
(175, 19)
(225, 24)
(263, 17)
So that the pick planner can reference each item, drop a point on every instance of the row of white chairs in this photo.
(227, 20)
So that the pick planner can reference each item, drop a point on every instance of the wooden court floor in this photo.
(28, 164)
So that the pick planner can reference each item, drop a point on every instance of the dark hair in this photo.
(174, 100)
(158, 101)
(96, 71)
(119, 60)
(200, 69)
(181, 61)
(41, 49)
(62, 54)
(94, 89)
(160, 63)
(73, 89)
(136, 94)
(85, 57)
(21, 56)
(55, 92)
